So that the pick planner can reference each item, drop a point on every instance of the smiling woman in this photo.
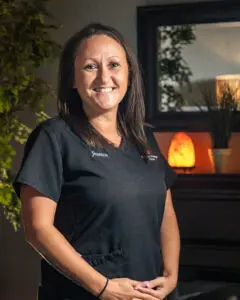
(98, 208)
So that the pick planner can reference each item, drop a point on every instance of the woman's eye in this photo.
(90, 67)
(114, 65)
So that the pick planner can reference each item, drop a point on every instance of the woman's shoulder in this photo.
(53, 128)
(59, 130)
(53, 125)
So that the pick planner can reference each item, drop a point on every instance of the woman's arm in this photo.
(38, 214)
(170, 240)
(161, 287)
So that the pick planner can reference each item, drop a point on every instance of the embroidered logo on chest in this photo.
(152, 157)
(99, 154)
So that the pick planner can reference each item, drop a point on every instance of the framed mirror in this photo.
(188, 53)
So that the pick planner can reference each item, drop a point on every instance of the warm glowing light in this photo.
(232, 81)
(181, 153)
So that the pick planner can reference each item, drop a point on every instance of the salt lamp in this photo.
(181, 153)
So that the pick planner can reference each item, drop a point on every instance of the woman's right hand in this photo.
(124, 289)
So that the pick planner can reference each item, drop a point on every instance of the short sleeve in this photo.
(169, 174)
(41, 166)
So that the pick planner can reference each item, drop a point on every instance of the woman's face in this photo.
(101, 74)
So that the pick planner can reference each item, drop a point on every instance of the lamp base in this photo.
(185, 170)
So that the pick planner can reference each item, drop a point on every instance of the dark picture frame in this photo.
(149, 18)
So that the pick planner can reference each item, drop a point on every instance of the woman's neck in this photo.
(106, 124)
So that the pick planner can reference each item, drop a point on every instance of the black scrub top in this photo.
(110, 203)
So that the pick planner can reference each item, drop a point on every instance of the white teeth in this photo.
(104, 90)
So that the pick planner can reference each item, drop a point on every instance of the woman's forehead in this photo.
(100, 45)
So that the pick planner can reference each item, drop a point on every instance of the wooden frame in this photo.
(149, 18)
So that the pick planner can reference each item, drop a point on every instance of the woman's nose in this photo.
(104, 75)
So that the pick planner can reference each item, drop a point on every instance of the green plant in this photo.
(173, 70)
(25, 45)
(222, 114)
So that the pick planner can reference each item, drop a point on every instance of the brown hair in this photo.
(131, 111)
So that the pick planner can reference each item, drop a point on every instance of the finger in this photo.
(146, 284)
(138, 286)
(158, 282)
(145, 296)
(148, 291)
(143, 284)
(134, 283)
(162, 293)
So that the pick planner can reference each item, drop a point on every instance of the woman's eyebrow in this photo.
(114, 56)
(96, 58)
(84, 60)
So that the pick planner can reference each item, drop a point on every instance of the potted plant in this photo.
(25, 45)
(222, 117)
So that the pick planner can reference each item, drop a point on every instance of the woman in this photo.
(95, 196)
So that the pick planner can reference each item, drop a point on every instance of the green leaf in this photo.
(25, 33)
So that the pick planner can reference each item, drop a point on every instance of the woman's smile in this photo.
(104, 90)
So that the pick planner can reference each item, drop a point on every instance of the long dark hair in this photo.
(131, 111)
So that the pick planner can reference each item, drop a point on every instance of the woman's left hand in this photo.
(159, 288)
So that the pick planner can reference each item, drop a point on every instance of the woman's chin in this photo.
(108, 106)
(101, 105)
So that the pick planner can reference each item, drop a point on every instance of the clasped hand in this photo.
(127, 289)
